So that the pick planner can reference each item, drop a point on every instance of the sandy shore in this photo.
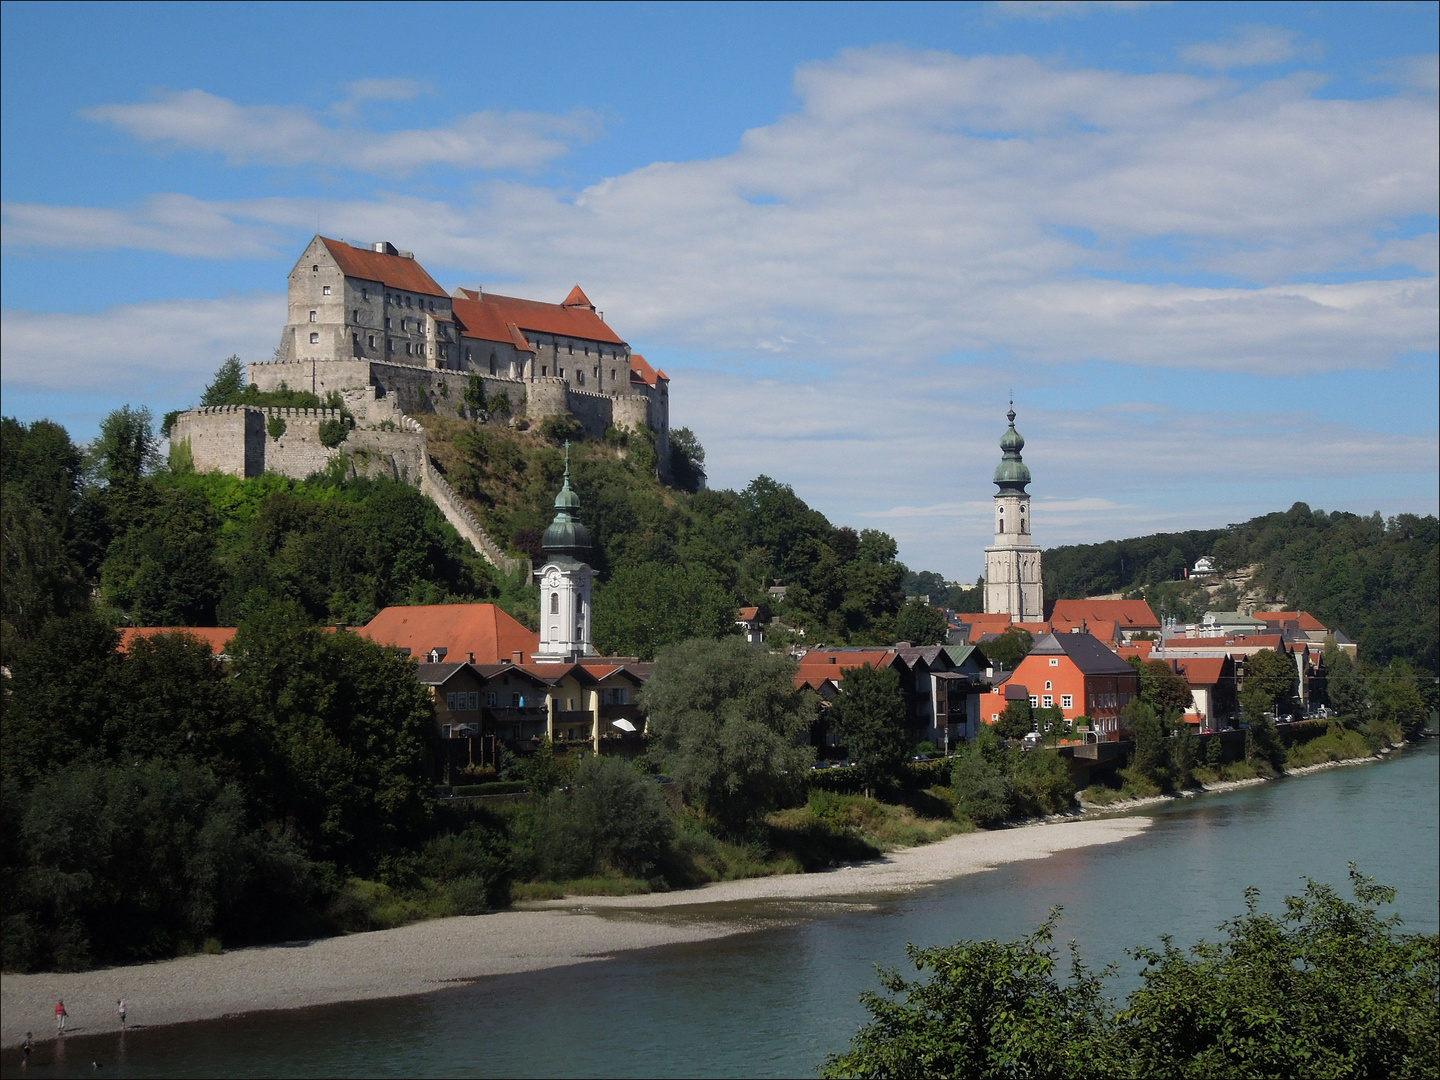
(432, 955)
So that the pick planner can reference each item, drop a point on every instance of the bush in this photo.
(333, 432)
(983, 793)
(473, 865)
(275, 426)
(561, 429)
(1041, 783)
(610, 818)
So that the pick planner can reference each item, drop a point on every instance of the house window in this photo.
(994, 717)
(324, 290)
(1067, 701)
(1049, 701)
(445, 730)
(312, 316)
(1055, 662)
(450, 701)
(1034, 701)
(472, 700)
(314, 339)
(514, 701)
(490, 699)
(1049, 685)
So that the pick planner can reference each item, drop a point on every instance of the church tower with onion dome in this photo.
(565, 581)
(1012, 564)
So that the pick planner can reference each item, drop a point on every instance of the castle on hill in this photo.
(371, 325)
(370, 330)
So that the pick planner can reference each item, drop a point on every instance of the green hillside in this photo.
(1374, 579)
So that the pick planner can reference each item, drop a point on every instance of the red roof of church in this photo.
(396, 271)
(1129, 614)
(461, 629)
(488, 315)
(217, 637)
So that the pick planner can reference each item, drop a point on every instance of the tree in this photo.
(921, 624)
(1016, 721)
(126, 448)
(728, 723)
(1345, 686)
(687, 460)
(1009, 648)
(1262, 740)
(646, 607)
(1162, 687)
(1272, 674)
(609, 817)
(983, 793)
(1327, 988)
(988, 1008)
(475, 394)
(1395, 692)
(228, 386)
(867, 716)
(1150, 760)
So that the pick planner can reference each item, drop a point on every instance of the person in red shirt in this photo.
(60, 1015)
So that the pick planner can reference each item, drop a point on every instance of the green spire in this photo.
(1012, 474)
(566, 535)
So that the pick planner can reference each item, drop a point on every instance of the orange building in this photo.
(1077, 674)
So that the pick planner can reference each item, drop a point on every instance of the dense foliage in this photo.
(1376, 580)
(155, 798)
(730, 726)
(867, 716)
(993, 782)
(1327, 988)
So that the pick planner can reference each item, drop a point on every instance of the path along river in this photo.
(775, 1001)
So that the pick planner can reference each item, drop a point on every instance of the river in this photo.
(775, 1001)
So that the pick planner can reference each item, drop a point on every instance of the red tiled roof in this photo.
(818, 665)
(641, 371)
(1129, 614)
(1201, 670)
(1234, 641)
(1140, 649)
(396, 271)
(483, 315)
(482, 629)
(577, 298)
(217, 637)
(1303, 619)
(747, 614)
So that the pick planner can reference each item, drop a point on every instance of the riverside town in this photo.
(393, 682)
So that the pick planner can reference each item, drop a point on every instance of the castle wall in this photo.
(298, 452)
(223, 438)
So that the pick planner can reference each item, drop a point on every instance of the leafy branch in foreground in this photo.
(1327, 988)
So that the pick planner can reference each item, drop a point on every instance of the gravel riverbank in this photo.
(429, 956)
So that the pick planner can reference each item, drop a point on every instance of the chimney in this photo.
(472, 657)
(384, 247)
(517, 657)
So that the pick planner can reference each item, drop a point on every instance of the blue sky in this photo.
(1197, 242)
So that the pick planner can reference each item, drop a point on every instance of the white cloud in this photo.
(289, 136)
(168, 349)
(1253, 46)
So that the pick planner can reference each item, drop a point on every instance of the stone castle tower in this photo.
(1012, 564)
(565, 581)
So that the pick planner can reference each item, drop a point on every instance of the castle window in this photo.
(467, 356)
(312, 316)
(408, 303)
(355, 315)
(560, 372)
(407, 349)
(571, 347)
(364, 294)
(580, 378)
(612, 374)
(314, 339)
(492, 363)
(372, 341)
(315, 269)
(389, 323)
(543, 369)
(324, 290)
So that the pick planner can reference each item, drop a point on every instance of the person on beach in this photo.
(60, 1015)
(25, 1049)
(120, 1012)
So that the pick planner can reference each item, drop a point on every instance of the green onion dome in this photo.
(566, 534)
(1012, 474)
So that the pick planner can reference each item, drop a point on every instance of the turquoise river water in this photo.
(775, 1000)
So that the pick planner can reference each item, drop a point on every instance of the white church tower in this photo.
(1012, 564)
(565, 582)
